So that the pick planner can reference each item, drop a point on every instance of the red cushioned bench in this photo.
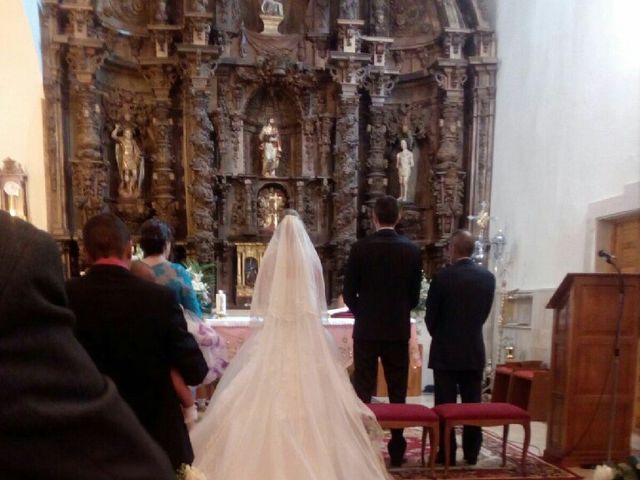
(406, 415)
(484, 415)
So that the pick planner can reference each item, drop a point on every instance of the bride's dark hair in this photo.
(290, 211)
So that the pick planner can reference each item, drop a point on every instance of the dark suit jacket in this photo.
(135, 332)
(382, 285)
(459, 301)
(59, 417)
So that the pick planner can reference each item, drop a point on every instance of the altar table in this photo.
(235, 328)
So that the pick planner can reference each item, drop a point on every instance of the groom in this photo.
(381, 287)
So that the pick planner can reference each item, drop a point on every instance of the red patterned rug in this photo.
(488, 466)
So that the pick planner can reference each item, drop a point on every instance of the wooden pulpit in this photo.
(584, 329)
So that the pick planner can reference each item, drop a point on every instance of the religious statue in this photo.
(161, 12)
(271, 148)
(272, 7)
(404, 164)
(129, 161)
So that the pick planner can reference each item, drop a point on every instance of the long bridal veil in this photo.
(284, 408)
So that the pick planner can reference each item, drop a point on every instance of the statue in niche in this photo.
(348, 9)
(404, 164)
(270, 147)
(161, 12)
(200, 6)
(272, 7)
(129, 161)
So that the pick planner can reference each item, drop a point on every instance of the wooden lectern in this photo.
(584, 328)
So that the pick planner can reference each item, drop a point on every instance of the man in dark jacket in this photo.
(59, 417)
(381, 287)
(458, 303)
(135, 332)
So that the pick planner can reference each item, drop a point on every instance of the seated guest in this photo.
(60, 417)
(155, 241)
(135, 332)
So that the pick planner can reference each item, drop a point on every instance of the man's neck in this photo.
(385, 227)
(456, 260)
(115, 261)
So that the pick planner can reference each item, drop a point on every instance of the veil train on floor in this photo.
(285, 408)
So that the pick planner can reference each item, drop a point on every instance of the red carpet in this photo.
(488, 467)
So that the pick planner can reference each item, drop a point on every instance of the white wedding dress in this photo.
(284, 408)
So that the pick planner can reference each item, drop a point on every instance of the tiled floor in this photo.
(516, 435)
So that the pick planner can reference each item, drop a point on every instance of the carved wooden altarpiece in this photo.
(189, 84)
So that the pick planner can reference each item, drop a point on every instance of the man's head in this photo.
(106, 236)
(461, 245)
(386, 212)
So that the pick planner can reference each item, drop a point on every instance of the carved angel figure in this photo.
(272, 7)
(129, 161)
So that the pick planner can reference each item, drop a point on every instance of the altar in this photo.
(235, 328)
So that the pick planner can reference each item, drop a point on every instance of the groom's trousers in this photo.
(395, 362)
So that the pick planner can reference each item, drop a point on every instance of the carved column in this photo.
(89, 168)
(163, 200)
(346, 183)
(448, 176)
(57, 213)
(376, 163)
(483, 71)
(349, 71)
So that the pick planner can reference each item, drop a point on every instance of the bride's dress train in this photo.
(284, 408)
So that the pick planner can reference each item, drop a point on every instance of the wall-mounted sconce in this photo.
(13, 189)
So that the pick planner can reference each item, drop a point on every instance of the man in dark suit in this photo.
(381, 287)
(458, 303)
(135, 332)
(60, 417)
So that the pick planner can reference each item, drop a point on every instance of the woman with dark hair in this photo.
(155, 241)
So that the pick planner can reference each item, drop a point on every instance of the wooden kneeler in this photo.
(406, 415)
(484, 415)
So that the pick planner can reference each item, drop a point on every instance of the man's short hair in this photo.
(387, 210)
(462, 242)
(105, 235)
(154, 235)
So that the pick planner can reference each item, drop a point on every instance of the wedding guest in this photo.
(381, 287)
(135, 332)
(155, 241)
(458, 303)
(60, 417)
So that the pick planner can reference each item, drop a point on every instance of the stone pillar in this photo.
(376, 163)
(346, 183)
(57, 208)
(89, 172)
(448, 175)
(483, 73)
(163, 200)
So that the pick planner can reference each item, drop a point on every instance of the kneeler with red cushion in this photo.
(484, 415)
(406, 415)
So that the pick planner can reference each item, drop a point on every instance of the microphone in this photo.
(607, 255)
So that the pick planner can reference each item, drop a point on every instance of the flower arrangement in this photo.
(203, 281)
(629, 470)
(187, 472)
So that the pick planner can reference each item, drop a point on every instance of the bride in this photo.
(285, 409)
